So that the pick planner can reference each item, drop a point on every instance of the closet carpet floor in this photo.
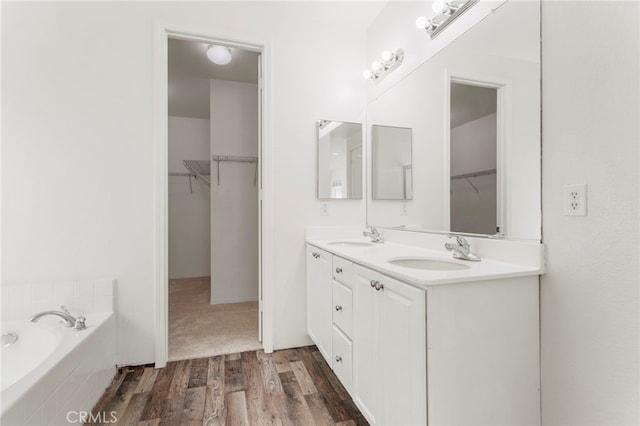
(198, 329)
(288, 387)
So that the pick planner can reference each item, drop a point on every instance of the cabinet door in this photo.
(403, 365)
(366, 363)
(319, 303)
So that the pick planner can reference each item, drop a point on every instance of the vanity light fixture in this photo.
(220, 55)
(446, 11)
(381, 68)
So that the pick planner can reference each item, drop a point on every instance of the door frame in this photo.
(503, 136)
(162, 32)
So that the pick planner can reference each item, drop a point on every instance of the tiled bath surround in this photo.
(20, 301)
(74, 381)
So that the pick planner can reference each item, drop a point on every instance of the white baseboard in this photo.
(239, 300)
(189, 275)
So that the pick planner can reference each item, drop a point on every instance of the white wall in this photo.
(473, 146)
(77, 140)
(589, 294)
(234, 200)
(189, 212)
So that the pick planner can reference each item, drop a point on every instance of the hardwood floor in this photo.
(288, 387)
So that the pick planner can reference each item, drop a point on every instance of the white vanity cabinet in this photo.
(319, 300)
(389, 332)
(342, 327)
(457, 353)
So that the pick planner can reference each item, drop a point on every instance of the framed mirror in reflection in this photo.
(391, 168)
(339, 160)
(474, 113)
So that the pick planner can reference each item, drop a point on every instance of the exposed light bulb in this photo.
(439, 6)
(387, 55)
(376, 65)
(421, 22)
(367, 73)
(220, 55)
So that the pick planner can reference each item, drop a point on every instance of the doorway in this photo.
(210, 298)
(474, 158)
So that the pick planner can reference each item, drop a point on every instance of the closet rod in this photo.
(234, 158)
(474, 174)
(238, 159)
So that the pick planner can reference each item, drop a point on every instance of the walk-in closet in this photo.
(213, 206)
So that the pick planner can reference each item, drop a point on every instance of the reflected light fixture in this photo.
(381, 68)
(446, 11)
(220, 55)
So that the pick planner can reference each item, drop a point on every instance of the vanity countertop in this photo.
(376, 257)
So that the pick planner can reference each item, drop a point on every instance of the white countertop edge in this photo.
(372, 258)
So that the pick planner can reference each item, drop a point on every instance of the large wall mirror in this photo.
(474, 112)
(339, 160)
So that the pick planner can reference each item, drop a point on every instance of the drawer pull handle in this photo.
(373, 283)
(338, 270)
(379, 286)
(316, 255)
(338, 358)
(338, 308)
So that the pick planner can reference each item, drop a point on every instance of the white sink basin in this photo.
(428, 264)
(350, 243)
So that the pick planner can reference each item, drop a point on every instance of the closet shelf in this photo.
(474, 174)
(201, 169)
(468, 176)
(237, 159)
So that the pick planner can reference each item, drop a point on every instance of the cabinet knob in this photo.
(316, 255)
(379, 286)
(338, 270)
(373, 283)
(338, 358)
(338, 308)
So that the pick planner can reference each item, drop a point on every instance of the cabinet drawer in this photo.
(342, 363)
(342, 270)
(343, 308)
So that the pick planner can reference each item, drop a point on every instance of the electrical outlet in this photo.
(325, 210)
(575, 199)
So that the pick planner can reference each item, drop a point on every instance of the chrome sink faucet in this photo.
(67, 319)
(461, 250)
(374, 234)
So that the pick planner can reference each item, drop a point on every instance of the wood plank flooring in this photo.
(288, 387)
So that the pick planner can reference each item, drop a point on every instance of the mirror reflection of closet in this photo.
(474, 200)
(339, 160)
(392, 166)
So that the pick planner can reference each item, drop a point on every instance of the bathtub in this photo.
(52, 374)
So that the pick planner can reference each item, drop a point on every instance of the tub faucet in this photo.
(462, 250)
(68, 319)
(372, 232)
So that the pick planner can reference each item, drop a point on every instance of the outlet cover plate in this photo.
(575, 199)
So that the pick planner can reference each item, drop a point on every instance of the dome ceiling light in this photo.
(220, 55)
